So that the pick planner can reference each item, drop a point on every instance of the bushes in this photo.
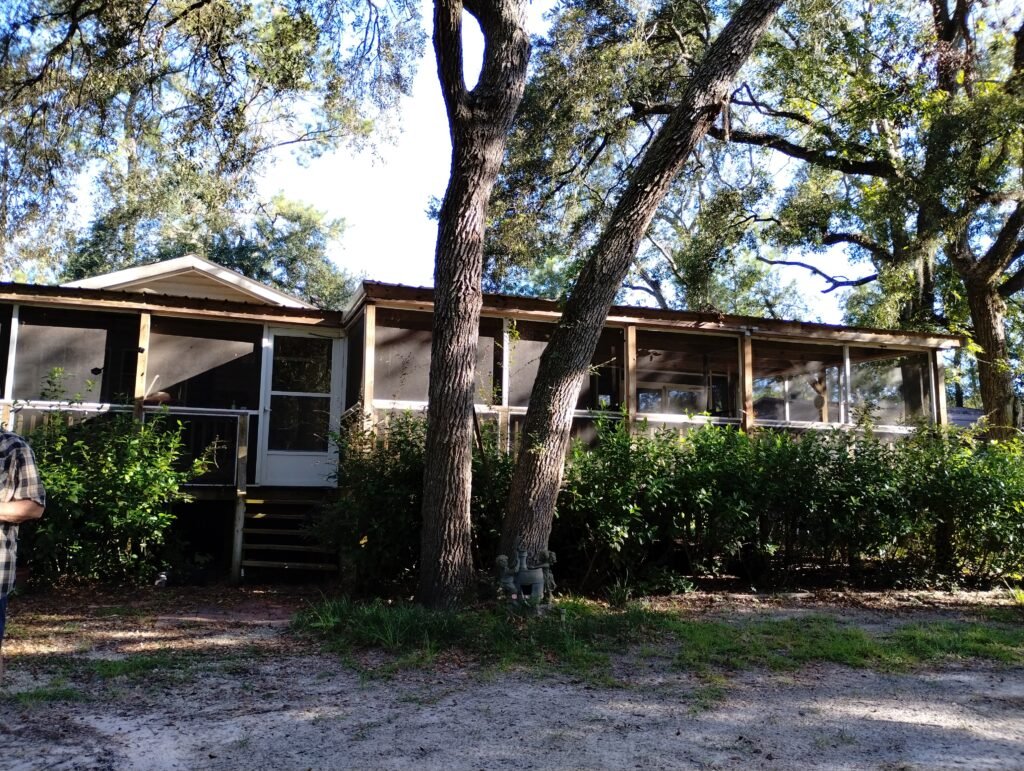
(375, 522)
(109, 484)
(646, 509)
(938, 503)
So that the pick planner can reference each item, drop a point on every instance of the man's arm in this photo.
(16, 512)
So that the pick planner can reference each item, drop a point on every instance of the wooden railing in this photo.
(223, 434)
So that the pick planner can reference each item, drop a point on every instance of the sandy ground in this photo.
(252, 695)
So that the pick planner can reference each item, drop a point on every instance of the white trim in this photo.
(506, 360)
(339, 376)
(130, 277)
(267, 392)
(267, 356)
(845, 389)
(933, 391)
(12, 349)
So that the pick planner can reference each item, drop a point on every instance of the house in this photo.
(267, 376)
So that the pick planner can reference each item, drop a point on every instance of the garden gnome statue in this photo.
(531, 581)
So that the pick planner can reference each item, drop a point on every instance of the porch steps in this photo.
(274, 537)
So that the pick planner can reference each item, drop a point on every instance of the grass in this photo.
(579, 638)
(55, 691)
(138, 666)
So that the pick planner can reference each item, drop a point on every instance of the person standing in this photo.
(22, 498)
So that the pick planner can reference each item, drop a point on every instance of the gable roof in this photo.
(193, 277)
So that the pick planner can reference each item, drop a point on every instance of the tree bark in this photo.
(479, 122)
(988, 314)
(567, 357)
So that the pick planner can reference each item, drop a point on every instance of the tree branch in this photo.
(448, 50)
(835, 282)
(1000, 255)
(857, 239)
(823, 158)
(796, 117)
(197, 5)
(1015, 282)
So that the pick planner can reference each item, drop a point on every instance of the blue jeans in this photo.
(3, 616)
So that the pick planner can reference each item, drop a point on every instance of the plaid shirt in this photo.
(19, 480)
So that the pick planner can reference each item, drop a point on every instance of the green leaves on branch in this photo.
(772, 504)
(174, 107)
(110, 484)
(643, 510)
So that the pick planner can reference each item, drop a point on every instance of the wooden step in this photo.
(288, 565)
(272, 515)
(271, 531)
(287, 547)
(281, 502)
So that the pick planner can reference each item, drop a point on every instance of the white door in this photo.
(303, 379)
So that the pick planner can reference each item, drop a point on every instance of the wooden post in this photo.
(846, 389)
(369, 355)
(939, 379)
(747, 381)
(142, 363)
(241, 482)
(631, 379)
(504, 421)
(823, 395)
(12, 350)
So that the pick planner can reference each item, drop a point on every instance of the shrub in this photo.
(641, 510)
(938, 503)
(375, 520)
(110, 482)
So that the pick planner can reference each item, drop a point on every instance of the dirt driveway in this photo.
(214, 679)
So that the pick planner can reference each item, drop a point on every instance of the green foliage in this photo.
(173, 109)
(375, 521)
(603, 78)
(641, 512)
(937, 503)
(110, 482)
(285, 246)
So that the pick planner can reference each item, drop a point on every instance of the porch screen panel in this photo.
(6, 314)
(602, 388)
(888, 387)
(204, 364)
(681, 373)
(299, 423)
(300, 403)
(527, 342)
(401, 366)
(402, 357)
(797, 381)
(356, 341)
(96, 353)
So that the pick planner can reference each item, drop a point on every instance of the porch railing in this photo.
(224, 435)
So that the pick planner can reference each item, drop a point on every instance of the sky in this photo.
(383, 196)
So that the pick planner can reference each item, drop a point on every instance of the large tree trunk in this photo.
(995, 376)
(567, 357)
(479, 122)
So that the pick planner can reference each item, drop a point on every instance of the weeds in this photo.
(135, 667)
(581, 638)
(55, 691)
(1016, 594)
